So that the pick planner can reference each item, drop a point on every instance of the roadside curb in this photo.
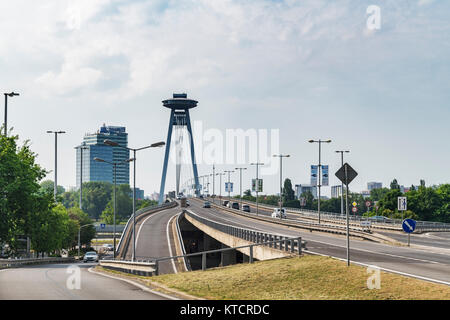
(147, 285)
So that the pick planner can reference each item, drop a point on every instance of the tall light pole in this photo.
(115, 144)
(82, 147)
(214, 183)
(11, 94)
(220, 185)
(56, 161)
(342, 184)
(229, 185)
(257, 164)
(114, 164)
(281, 156)
(240, 182)
(320, 169)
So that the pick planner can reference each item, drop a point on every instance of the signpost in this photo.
(409, 225)
(402, 204)
(354, 209)
(346, 174)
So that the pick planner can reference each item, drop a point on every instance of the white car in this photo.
(108, 247)
(276, 213)
(90, 256)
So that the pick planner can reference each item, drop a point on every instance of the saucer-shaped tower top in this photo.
(180, 102)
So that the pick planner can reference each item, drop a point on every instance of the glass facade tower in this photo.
(100, 171)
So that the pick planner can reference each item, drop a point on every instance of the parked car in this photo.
(187, 203)
(246, 208)
(235, 205)
(276, 213)
(90, 256)
(225, 203)
(206, 204)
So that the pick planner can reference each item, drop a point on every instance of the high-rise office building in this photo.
(336, 191)
(302, 188)
(100, 171)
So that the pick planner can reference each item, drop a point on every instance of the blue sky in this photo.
(311, 69)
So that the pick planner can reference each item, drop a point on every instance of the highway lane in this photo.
(153, 238)
(49, 282)
(412, 261)
(431, 239)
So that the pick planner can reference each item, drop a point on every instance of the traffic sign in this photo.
(102, 226)
(354, 204)
(409, 225)
(346, 174)
(402, 204)
(354, 209)
(368, 203)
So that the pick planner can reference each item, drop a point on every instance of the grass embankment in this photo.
(308, 277)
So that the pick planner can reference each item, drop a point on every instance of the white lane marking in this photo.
(168, 243)
(384, 269)
(142, 224)
(382, 253)
(140, 286)
(363, 250)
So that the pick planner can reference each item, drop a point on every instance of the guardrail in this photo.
(140, 268)
(13, 263)
(363, 232)
(139, 213)
(393, 224)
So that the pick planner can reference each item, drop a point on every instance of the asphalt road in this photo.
(154, 240)
(431, 239)
(49, 282)
(420, 263)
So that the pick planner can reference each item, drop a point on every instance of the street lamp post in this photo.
(214, 183)
(240, 182)
(257, 164)
(319, 170)
(115, 144)
(114, 164)
(11, 94)
(281, 156)
(229, 186)
(342, 184)
(56, 161)
(82, 147)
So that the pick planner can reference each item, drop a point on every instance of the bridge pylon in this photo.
(179, 116)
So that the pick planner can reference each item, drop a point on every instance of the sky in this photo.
(302, 69)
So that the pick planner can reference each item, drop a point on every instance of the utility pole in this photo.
(229, 185)
(319, 170)
(56, 161)
(281, 156)
(257, 164)
(240, 182)
(82, 147)
(11, 94)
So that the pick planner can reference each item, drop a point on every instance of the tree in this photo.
(395, 185)
(49, 185)
(95, 197)
(247, 193)
(49, 228)
(82, 219)
(378, 194)
(124, 205)
(19, 188)
(288, 192)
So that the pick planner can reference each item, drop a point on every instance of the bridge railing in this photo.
(421, 226)
(12, 263)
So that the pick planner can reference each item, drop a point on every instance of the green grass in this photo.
(307, 277)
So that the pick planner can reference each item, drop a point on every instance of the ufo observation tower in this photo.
(179, 117)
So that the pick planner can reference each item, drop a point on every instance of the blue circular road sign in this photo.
(409, 225)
